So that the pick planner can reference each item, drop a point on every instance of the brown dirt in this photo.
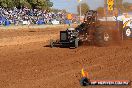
(28, 64)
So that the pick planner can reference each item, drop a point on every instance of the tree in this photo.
(122, 6)
(58, 10)
(42, 4)
(119, 4)
(100, 11)
(84, 8)
(126, 6)
(6, 3)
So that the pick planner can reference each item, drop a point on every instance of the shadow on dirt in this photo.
(58, 46)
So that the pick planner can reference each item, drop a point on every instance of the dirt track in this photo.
(25, 62)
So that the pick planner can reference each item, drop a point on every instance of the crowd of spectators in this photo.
(30, 16)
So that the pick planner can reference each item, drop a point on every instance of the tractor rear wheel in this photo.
(102, 37)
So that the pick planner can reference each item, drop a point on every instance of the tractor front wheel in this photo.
(51, 43)
(76, 43)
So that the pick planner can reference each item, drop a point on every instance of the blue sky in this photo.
(70, 5)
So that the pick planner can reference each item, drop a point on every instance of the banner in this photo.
(110, 4)
(69, 16)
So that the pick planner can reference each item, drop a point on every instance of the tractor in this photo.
(91, 32)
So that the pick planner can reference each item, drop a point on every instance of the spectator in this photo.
(18, 16)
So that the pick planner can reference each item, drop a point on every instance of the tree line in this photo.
(46, 4)
(119, 4)
(40, 4)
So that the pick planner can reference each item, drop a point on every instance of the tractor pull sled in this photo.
(92, 32)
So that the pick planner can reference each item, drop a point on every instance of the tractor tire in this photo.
(76, 43)
(127, 33)
(102, 37)
(51, 43)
